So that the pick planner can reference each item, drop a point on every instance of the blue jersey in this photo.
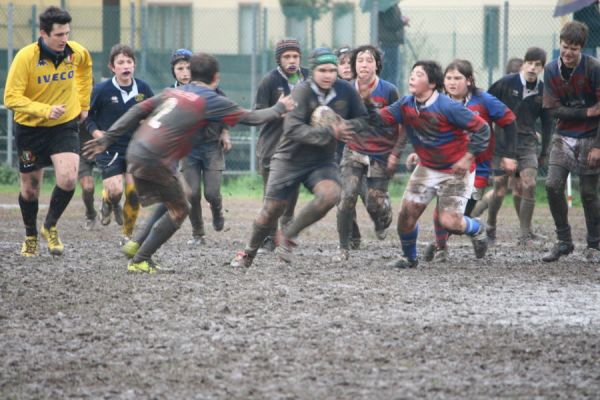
(441, 130)
(110, 102)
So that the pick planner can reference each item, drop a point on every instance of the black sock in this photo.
(58, 203)
(88, 201)
(143, 230)
(29, 211)
(159, 234)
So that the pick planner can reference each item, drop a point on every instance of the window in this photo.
(170, 26)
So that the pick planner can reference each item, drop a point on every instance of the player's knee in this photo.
(588, 193)
(450, 221)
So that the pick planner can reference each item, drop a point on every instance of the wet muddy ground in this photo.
(511, 326)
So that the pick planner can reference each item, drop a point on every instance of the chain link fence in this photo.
(243, 40)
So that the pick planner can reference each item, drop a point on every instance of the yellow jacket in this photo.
(34, 85)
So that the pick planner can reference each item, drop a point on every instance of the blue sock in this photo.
(409, 243)
(473, 226)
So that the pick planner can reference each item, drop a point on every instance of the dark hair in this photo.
(343, 50)
(53, 15)
(117, 49)
(204, 67)
(433, 71)
(465, 68)
(287, 44)
(574, 33)
(361, 49)
(513, 65)
(536, 54)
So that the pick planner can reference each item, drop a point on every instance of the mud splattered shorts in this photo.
(571, 154)
(526, 155)
(452, 191)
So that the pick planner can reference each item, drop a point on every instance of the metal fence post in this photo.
(132, 24)
(505, 36)
(265, 42)
(10, 26)
(253, 69)
(374, 22)
(34, 32)
(143, 36)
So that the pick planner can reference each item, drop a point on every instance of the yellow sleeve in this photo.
(16, 87)
(84, 79)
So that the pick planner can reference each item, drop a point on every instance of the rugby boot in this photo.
(559, 249)
(105, 212)
(435, 254)
(144, 267)
(491, 235)
(429, 251)
(242, 258)
(218, 221)
(381, 234)
(342, 256)
(55, 246)
(197, 240)
(130, 249)
(268, 246)
(404, 263)
(118, 213)
(90, 223)
(355, 237)
(480, 241)
(285, 248)
(30, 247)
(592, 254)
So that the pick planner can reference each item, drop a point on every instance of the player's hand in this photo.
(342, 131)
(508, 164)
(392, 163)
(594, 110)
(411, 161)
(97, 134)
(83, 116)
(225, 141)
(594, 158)
(93, 147)
(462, 166)
(57, 111)
(288, 102)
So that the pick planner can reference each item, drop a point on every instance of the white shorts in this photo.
(452, 191)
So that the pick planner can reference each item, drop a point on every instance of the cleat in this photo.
(123, 240)
(441, 256)
(55, 246)
(144, 267)
(480, 241)
(118, 213)
(355, 243)
(90, 223)
(559, 249)
(218, 221)
(242, 259)
(381, 234)
(284, 249)
(197, 241)
(404, 263)
(592, 254)
(130, 249)
(343, 255)
(268, 246)
(429, 252)
(30, 247)
(530, 240)
(105, 211)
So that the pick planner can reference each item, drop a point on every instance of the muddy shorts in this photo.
(452, 191)
(35, 145)
(111, 163)
(86, 167)
(526, 155)
(285, 177)
(353, 159)
(205, 157)
(571, 154)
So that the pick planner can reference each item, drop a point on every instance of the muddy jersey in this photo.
(379, 142)
(172, 118)
(440, 130)
(571, 97)
(305, 144)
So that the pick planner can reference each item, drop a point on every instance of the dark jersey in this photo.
(305, 144)
(525, 104)
(272, 86)
(109, 102)
(172, 118)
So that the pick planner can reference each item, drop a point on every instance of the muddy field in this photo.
(79, 326)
